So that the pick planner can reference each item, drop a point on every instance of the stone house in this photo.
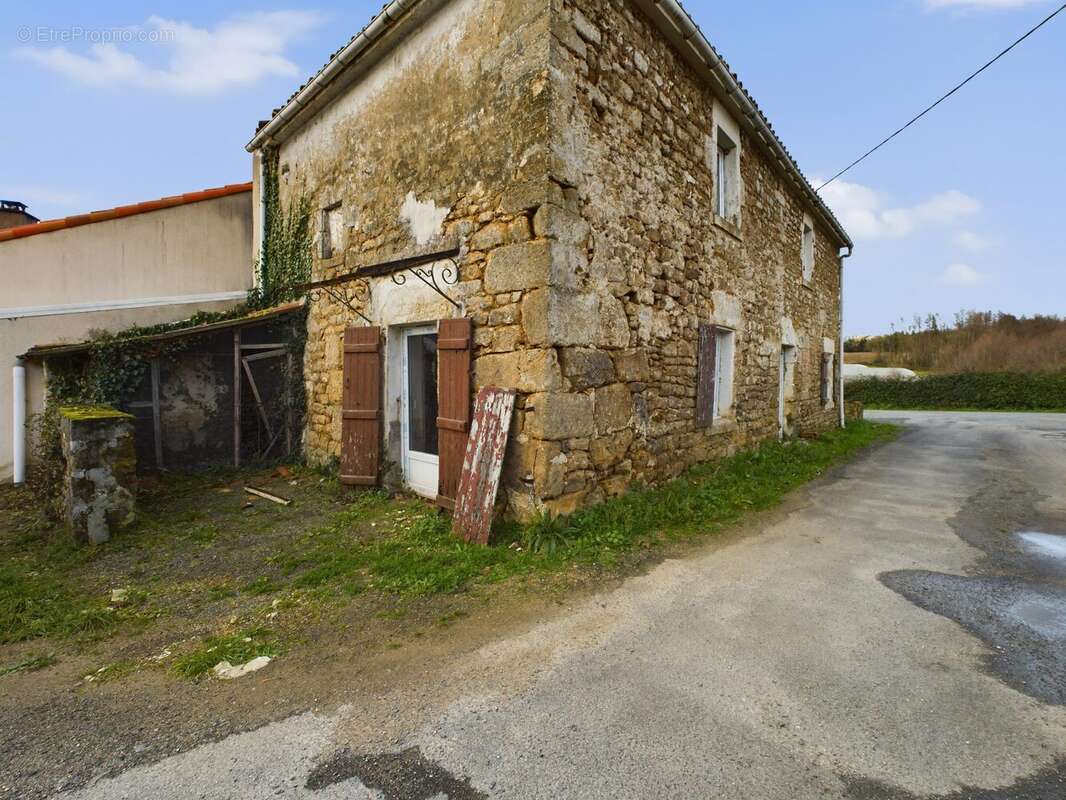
(603, 217)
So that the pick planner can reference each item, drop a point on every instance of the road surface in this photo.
(897, 630)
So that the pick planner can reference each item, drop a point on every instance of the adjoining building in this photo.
(574, 199)
(142, 264)
(13, 214)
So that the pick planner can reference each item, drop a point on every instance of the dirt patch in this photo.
(1048, 784)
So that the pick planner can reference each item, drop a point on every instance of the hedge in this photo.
(989, 391)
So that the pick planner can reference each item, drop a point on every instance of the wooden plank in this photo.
(274, 498)
(361, 407)
(482, 463)
(453, 405)
(157, 424)
(258, 400)
(705, 358)
(237, 397)
(267, 354)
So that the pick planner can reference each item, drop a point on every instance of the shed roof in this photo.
(252, 318)
(122, 211)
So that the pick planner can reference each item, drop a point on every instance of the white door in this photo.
(419, 410)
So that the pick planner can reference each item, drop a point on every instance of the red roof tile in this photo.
(122, 211)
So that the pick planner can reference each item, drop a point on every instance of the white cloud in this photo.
(973, 242)
(862, 211)
(237, 51)
(979, 4)
(961, 275)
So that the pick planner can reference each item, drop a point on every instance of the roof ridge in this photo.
(129, 210)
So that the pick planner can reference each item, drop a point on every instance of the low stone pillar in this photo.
(853, 409)
(101, 464)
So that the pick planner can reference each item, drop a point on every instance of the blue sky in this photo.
(963, 211)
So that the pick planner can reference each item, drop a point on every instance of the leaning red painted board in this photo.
(482, 463)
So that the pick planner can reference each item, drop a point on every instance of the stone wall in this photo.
(631, 134)
(563, 147)
(441, 143)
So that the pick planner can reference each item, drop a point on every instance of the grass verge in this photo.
(417, 554)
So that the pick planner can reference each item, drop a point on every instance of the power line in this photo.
(888, 139)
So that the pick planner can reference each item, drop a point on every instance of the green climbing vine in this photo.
(285, 260)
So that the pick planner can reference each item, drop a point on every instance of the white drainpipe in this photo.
(18, 438)
(840, 347)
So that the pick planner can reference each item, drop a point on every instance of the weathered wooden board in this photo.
(480, 477)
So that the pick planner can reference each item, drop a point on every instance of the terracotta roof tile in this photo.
(122, 211)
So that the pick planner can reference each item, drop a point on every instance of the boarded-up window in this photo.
(453, 402)
(706, 357)
(361, 407)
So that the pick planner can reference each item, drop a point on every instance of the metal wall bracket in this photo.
(353, 288)
(357, 291)
(449, 276)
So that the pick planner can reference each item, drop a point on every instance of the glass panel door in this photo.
(420, 410)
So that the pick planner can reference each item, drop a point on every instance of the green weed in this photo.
(28, 664)
(236, 648)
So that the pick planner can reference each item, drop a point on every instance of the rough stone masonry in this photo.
(570, 152)
(100, 471)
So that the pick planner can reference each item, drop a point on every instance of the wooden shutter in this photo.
(824, 379)
(705, 362)
(361, 407)
(453, 405)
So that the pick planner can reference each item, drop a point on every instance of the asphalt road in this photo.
(888, 634)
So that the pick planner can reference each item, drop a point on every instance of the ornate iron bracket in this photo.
(357, 291)
(449, 276)
(353, 287)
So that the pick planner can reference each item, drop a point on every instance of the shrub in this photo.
(990, 391)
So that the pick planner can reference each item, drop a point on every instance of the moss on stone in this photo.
(79, 413)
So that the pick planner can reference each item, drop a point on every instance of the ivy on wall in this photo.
(285, 260)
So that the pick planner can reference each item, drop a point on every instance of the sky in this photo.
(118, 102)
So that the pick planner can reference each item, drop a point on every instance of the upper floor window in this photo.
(727, 176)
(807, 249)
(329, 230)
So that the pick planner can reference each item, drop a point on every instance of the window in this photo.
(828, 362)
(714, 374)
(329, 229)
(723, 372)
(727, 176)
(807, 249)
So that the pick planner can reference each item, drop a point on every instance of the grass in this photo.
(199, 559)
(422, 557)
(29, 663)
(236, 648)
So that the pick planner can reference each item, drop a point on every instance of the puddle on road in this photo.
(1045, 544)
(406, 775)
(1047, 617)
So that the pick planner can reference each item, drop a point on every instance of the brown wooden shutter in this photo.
(705, 362)
(361, 407)
(453, 405)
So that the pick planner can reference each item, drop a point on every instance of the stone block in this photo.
(561, 317)
(561, 224)
(610, 449)
(524, 370)
(559, 415)
(613, 407)
(527, 265)
(632, 365)
(587, 368)
(529, 195)
(100, 470)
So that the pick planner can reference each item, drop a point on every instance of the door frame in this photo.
(408, 455)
